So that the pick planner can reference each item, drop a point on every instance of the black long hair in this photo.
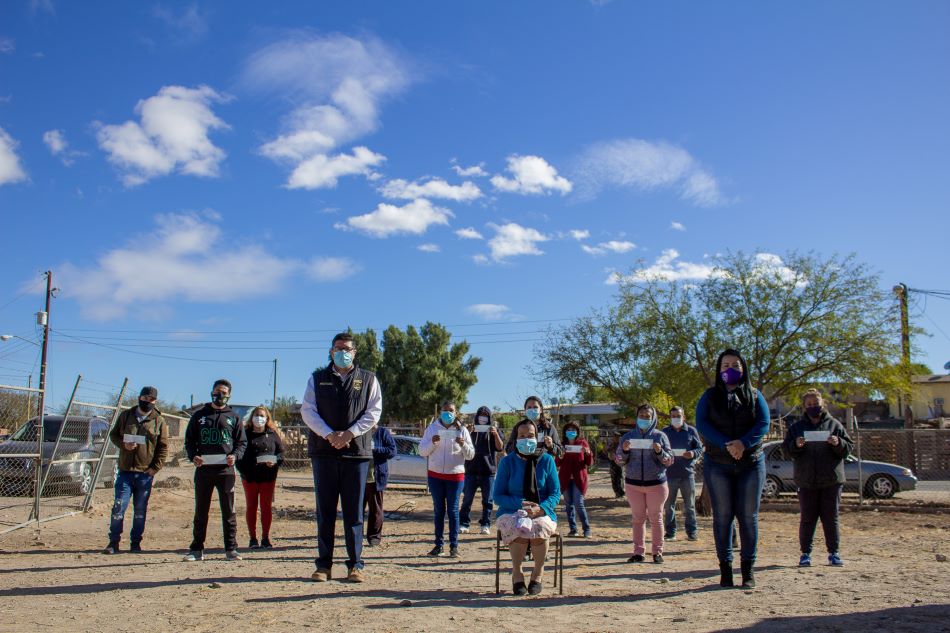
(744, 390)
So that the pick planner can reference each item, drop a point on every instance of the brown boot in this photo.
(320, 575)
(355, 575)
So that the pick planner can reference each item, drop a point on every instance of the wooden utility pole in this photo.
(273, 403)
(904, 401)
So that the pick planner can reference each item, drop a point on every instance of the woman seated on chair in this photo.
(526, 492)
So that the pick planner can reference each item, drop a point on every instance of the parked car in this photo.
(408, 466)
(880, 480)
(81, 441)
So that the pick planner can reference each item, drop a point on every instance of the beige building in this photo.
(930, 397)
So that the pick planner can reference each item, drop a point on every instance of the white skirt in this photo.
(541, 527)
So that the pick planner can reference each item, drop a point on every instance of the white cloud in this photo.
(7, 45)
(531, 175)
(413, 218)
(10, 169)
(433, 188)
(475, 171)
(612, 246)
(322, 171)
(512, 239)
(331, 268)
(469, 233)
(580, 234)
(191, 23)
(429, 248)
(489, 311)
(339, 83)
(172, 135)
(45, 6)
(678, 226)
(667, 267)
(58, 146)
(186, 263)
(645, 166)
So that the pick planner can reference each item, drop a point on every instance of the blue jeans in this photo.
(137, 487)
(343, 481)
(472, 484)
(735, 491)
(686, 486)
(445, 498)
(574, 504)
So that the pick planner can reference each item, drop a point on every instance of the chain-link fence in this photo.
(19, 454)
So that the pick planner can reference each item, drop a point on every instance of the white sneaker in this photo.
(193, 555)
(463, 530)
(232, 554)
(485, 530)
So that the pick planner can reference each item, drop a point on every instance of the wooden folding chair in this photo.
(558, 562)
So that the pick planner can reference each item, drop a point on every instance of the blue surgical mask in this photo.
(342, 358)
(644, 425)
(532, 414)
(571, 435)
(527, 445)
(447, 417)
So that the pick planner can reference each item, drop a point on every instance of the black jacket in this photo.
(265, 443)
(213, 431)
(818, 464)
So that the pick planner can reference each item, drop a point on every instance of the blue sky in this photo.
(234, 182)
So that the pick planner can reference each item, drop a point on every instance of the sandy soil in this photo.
(55, 578)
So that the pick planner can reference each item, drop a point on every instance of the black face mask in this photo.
(219, 399)
(145, 405)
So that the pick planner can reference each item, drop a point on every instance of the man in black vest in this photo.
(341, 407)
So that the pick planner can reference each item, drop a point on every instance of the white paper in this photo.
(267, 459)
(678, 452)
(482, 428)
(573, 448)
(213, 460)
(640, 444)
(817, 436)
(448, 435)
(133, 439)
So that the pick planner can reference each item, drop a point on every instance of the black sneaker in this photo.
(572, 533)
(253, 544)
(266, 544)
(534, 588)
(692, 537)
(373, 542)
(436, 551)
(658, 559)
(454, 551)
(669, 537)
(519, 589)
(111, 548)
(135, 548)
(636, 558)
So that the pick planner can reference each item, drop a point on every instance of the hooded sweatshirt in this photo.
(484, 462)
(723, 416)
(818, 464)
(445, 458)
(644, 466)
(213, 431)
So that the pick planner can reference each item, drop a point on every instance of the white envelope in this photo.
(817, 436)
(573, 448)
(640, 444)
(448, 435)
(213, 460)
(678, 452)
(128, 438)
(267, 459)
(482, 428)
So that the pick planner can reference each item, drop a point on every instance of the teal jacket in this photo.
(509, 483)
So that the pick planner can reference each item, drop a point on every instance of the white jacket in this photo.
(446, 457)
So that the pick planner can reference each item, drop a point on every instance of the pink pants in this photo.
(646, 502)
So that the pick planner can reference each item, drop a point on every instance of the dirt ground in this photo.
(55, 578)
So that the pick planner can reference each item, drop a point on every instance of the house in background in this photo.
(930, 397)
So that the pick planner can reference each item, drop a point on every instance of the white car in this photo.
(408, 466)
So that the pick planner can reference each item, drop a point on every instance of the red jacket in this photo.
(573, 466)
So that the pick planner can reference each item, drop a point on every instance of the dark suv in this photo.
(74, 463)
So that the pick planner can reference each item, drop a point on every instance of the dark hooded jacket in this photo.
(818, 464)
(722, 416)
(485, 461)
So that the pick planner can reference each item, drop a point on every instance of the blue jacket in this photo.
(507, 493)
(384, 449)
(686, 438)
(645, 467)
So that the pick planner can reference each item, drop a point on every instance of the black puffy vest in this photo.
(341, 402)
(733, 424)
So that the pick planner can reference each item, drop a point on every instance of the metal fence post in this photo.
(105, 448)
(59, 437)
(39, 460)
(857, 437)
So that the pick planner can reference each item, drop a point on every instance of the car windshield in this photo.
(76, 431)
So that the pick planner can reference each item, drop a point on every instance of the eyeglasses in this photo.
(344, 349)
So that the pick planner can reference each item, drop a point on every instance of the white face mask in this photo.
(259, 421)
(676, 422)
(482, 419)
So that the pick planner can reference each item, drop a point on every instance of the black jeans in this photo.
(373, 511)
(207, 479)
(820, 503)
(616, 479)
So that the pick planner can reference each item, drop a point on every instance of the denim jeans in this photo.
(343, 481)
(574, 504)
(735, 491)
(472, 484)
(137, 487)
(686, 486)
(445, 499)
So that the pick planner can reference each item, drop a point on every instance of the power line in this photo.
(135, 342)
(132, 351)
(27, 291)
